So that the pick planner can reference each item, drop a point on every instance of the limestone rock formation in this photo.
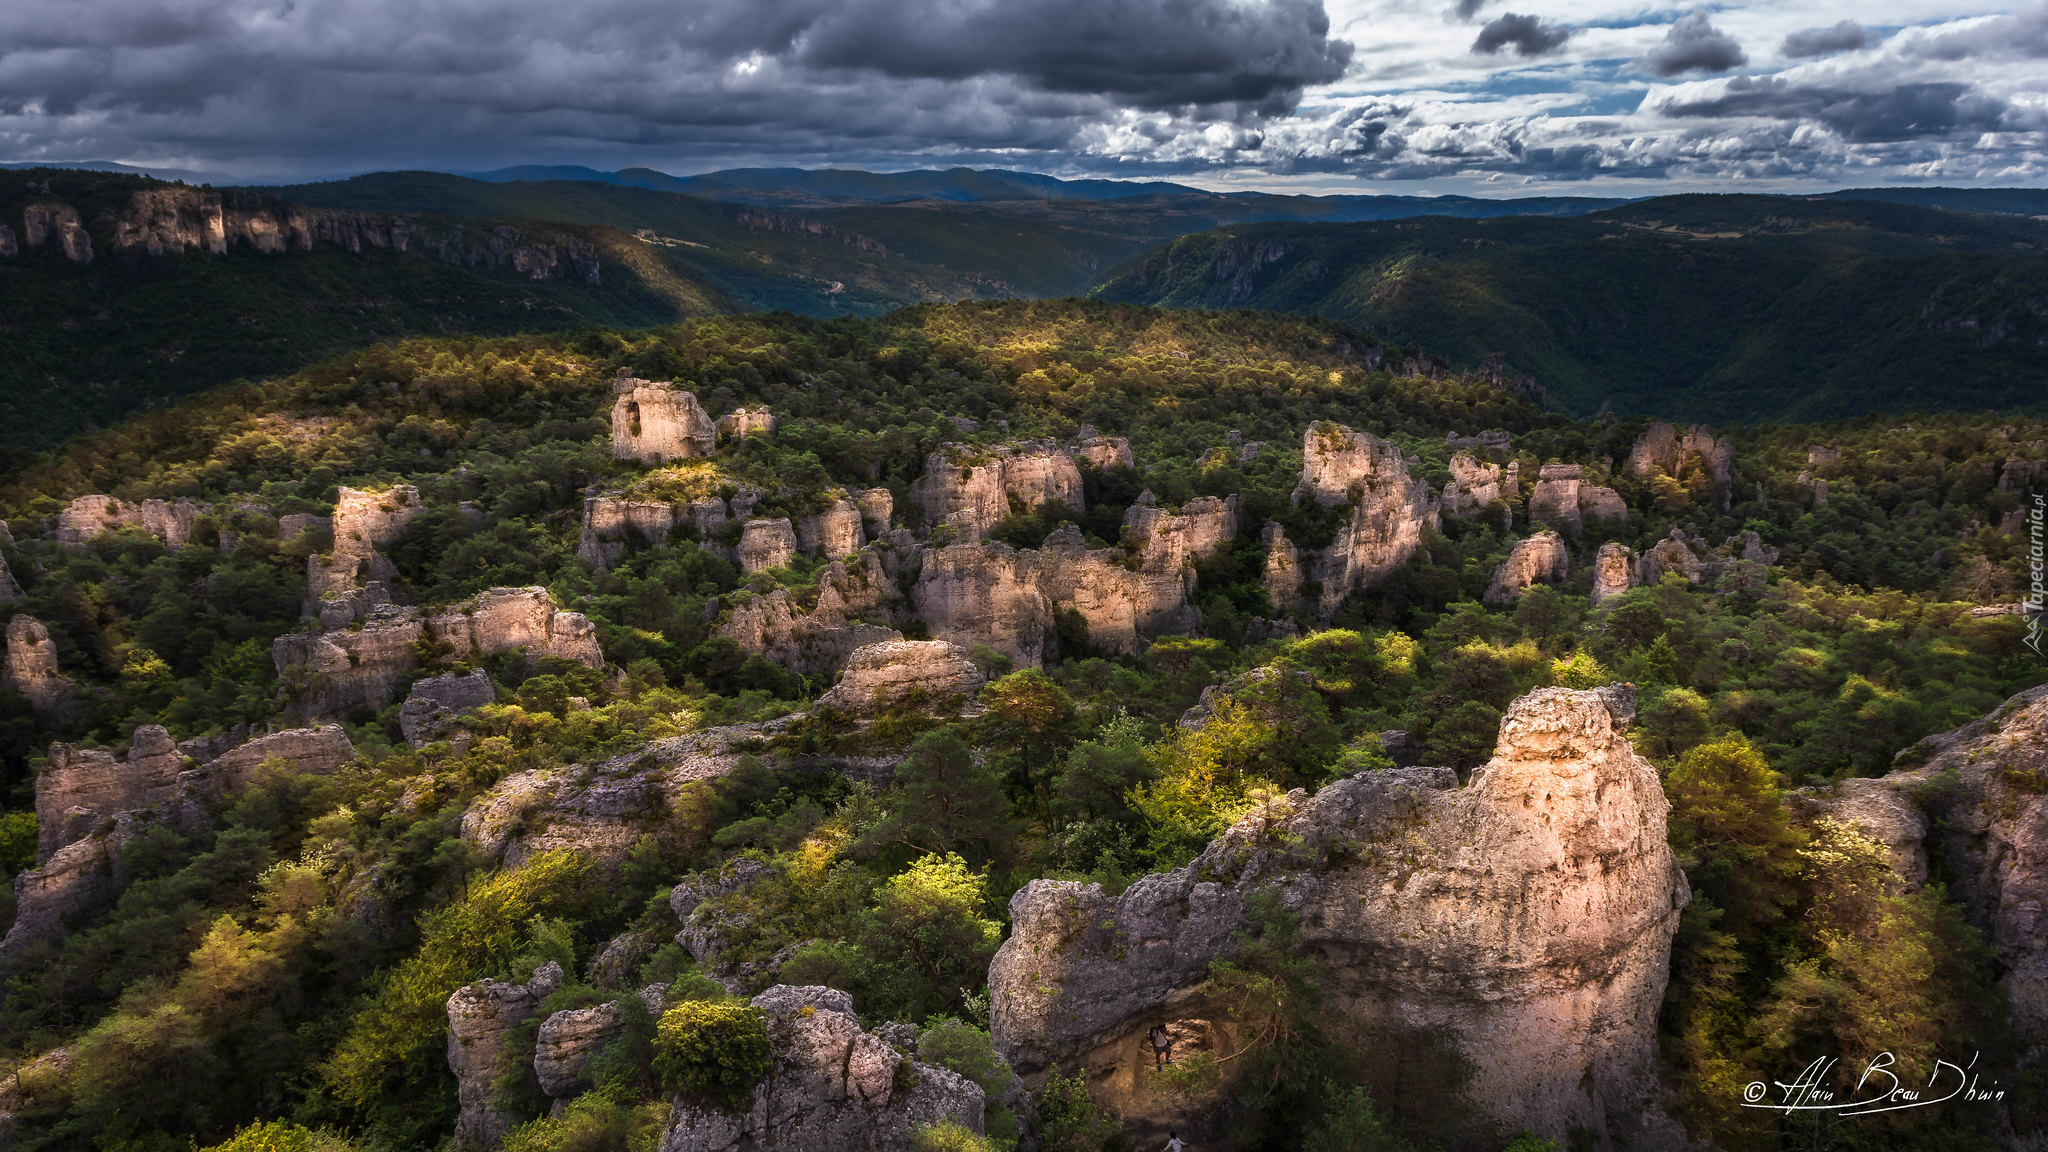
(568, 1040)
(611, 522)
(930, 675)
(877, 511)
(10, 591)
(1882, 810)
(1283, 569)
(856, 600)
(1389, 508)
(1473, 487)
(655, 423)
(326, 673)
(509, 619)
(984, 592)
(79, 787)
(743, 422)
(80, 878)
(1613, 572)
(46, 223)
(435, 701)
(1105, 452)
(1664, 448)
(1564, 500)
(290, 527)
(364, 521)
(696, 902)
(833, 1086)
(767, 544)
(318, 751)
(480, 1017)
(8, 246)
(984, 483)
(831, 534)
(1742, 555)
(31, 670)
(1540, 559)
(88, 516)
(1528, 912)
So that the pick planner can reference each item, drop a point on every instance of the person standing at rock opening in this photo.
(1173, 1142)
(1162, 1049)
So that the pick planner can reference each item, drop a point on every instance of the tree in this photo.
(929, 930)
(948, 802)
(1729, 828)
(1097, 774)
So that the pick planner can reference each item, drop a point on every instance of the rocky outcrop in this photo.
(929, 676)
(877, 511)
(986, 483)
(1389, 509)
(434, 702)
(481, 1017)
(1105, 452)
(79, 787)
(325, 674)
(1743, 554)
(1528, 912)
(10, 590)
(1562, 499)
(833, 533)
(318, 751)
(1881, 810)
(292, 526)
(833, 1086)
(569, 1040)
(1613, 572)
(8, 246)
(611, 523)
(1540, 559)
(856, 601)
(49, 223)
(1663, 448)
(984, 592)
(79, 879)
(1474, 486)
(698, 904)
(31, 670)
(744, 422)
(88, 516)
(1283, 568)
(365, 520)
(655, 423)
(767, 544)
(500, 620)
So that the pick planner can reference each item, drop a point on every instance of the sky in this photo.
(1485, 97)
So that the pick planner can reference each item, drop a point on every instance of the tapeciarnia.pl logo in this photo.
(2037, 568)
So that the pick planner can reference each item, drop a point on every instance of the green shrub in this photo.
(17, 841)
(281, 1136)
(949, 1136)
(604, 1120)
(965, 1049)
(716, 1049)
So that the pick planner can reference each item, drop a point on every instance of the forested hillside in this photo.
(1725, 308)
(814, 641)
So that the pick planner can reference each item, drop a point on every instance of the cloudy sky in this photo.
(1482, 96)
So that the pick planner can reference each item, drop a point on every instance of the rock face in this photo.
(568, 1041)
(744, 422)
(1613, 572)
(987, 483)
(317, 751)
(1743, 554)
(1528, 912)
(856, 600)
(658, 422)
(1564, 500)
(57, 224)
(1473, 487)
(877, 511)
(1664, 448)
(88, 516)
(79, 787)
(435, 702)
(925, 674)
(1540, 559)
(1389, 508)
(32, 671)
(1283, 568)
(767, 544)
(508, 619)
(610, 522)
(833, 1086)
(833, 533)
(364, 521)
(479, 1018)
(80, 878)
(1105, 452)
(984, 592)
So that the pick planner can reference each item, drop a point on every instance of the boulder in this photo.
(655, 423)
(1613, 572)
(832, 1086)
(1105, 452)
(766, 544)
(1283, 569)
(568, 1040)
(747, 422)
(481, 1017)
(511, 619)
(434, 702)
(931, 676)
(1529, 912)
(987, 482)
(31, 670)
(1539, 559)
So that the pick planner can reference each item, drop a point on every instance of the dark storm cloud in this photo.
(1467, 9)
(1905, 112)
(1693, 45)
(1527, 35)
(1845, 36)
